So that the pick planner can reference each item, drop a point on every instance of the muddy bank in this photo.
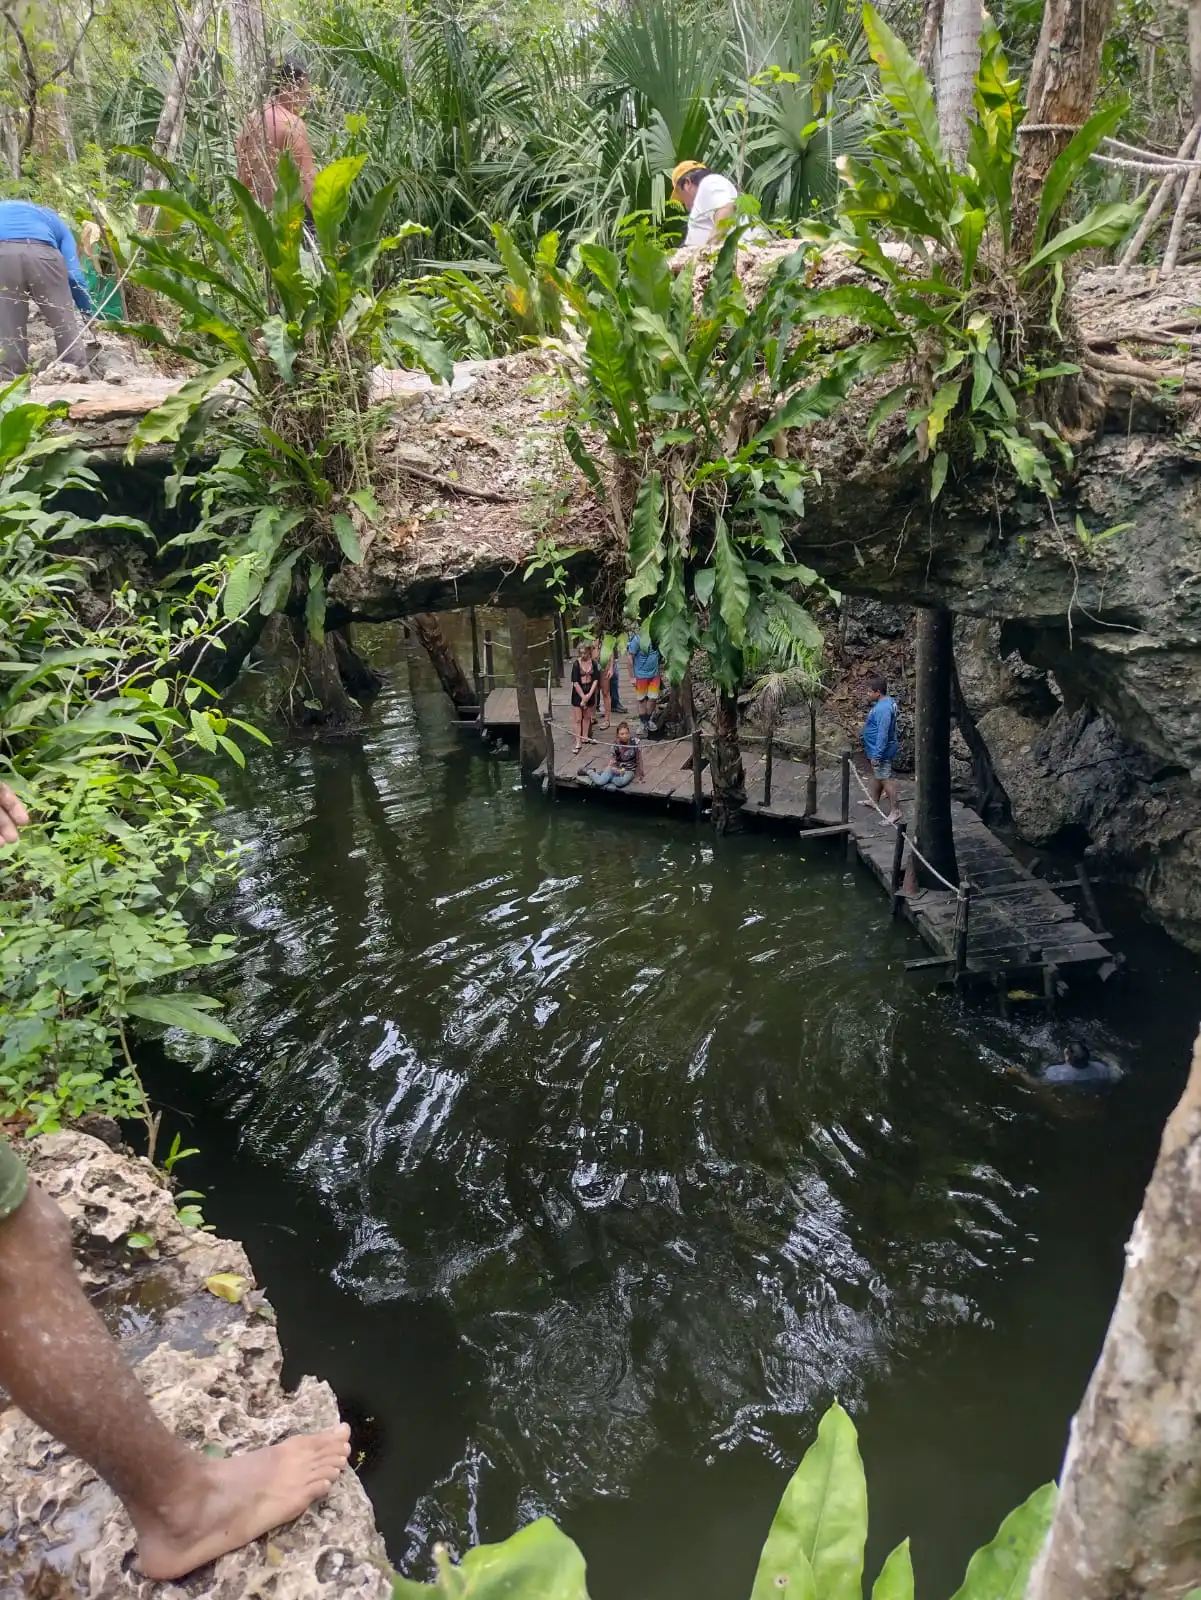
(211, 1368)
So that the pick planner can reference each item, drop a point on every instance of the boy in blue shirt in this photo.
(647, 679)
(880, 744)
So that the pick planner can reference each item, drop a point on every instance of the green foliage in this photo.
(292, 322)
(689, 402)
(814, 1549)
(96, 718)
(959, 286)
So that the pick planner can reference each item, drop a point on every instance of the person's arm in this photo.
(871, 736)
(65, 240)
(721, 217)
(13, 815)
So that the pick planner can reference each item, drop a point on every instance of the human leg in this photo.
(577, 723)
(50, 290)
(603, 780)
(63, 1368)
(622, 780)
(606, 704)
(14, 309)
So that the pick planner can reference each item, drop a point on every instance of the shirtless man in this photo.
(278, 126)
(59, 1363)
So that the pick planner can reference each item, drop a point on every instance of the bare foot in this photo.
(233, 1501)
(893, 817)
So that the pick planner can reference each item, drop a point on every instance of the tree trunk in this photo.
(959, 57)
(927, 51)
(359, 676)
(443, 660)
(1063, 83)
(1127, 1523)
(725, 766)
(932, 741)
(248, 51)
(1194, 54)
(171, 119)
(533, 736)
(317, 698)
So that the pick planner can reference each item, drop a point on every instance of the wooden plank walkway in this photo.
(1016, 923)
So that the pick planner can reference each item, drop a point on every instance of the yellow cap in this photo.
(681, 170)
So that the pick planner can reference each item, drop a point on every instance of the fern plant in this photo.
(691, 403)
(964, 288)
(291, 321)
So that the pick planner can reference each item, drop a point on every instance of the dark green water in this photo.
(591, 1162)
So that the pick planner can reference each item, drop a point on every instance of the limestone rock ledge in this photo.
(211, 1369)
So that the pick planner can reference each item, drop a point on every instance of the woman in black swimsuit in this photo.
(585, 690)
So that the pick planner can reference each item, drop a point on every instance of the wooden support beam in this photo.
(834, 829)
(898, 870)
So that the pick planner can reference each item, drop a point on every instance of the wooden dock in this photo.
(1012, 923)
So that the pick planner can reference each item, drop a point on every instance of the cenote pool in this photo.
(589, 1161)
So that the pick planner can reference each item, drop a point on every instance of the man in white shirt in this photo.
(708, 199)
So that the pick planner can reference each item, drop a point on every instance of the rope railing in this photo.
(959, 890)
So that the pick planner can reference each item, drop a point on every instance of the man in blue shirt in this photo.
(1079, 1066)
(647, 681)
(39, 262)
(880, 744)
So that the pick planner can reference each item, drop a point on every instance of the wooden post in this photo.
(811, 783)
(898, 867)
(698, 767)
(489, 658)
(475, 664)
(549, 729)
(962, 914)
(1050, 975)
(1001, 985)
(1090, 899)
(844, 804)
(556, 650)
(767, 763)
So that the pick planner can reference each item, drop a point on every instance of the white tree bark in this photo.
(958, 59)
(171, 119)
(248, 49)
(1128, 1523)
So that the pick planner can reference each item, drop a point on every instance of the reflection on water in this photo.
(661, 1135)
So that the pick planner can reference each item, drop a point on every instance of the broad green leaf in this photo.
(331, 197)
(823, 1515)
(202, 731)
(347, 537)
(982, 375)
(938, 475)
(314, 604)
(173, 1013)
(886, 407)
(1103, 226)
(280, 347)
(788, 1577)
(896, 1576)
(1001, 1570)
(851, 300)
(648, 274)
(730, 586)
(646, 551)
(1071, 162)
(165, 423)
(945, 400)
(242, 586)
(578, 452)
(278, 586)
(539, 1562)
(905, 85)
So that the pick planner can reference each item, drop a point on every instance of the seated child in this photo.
(625, 764)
